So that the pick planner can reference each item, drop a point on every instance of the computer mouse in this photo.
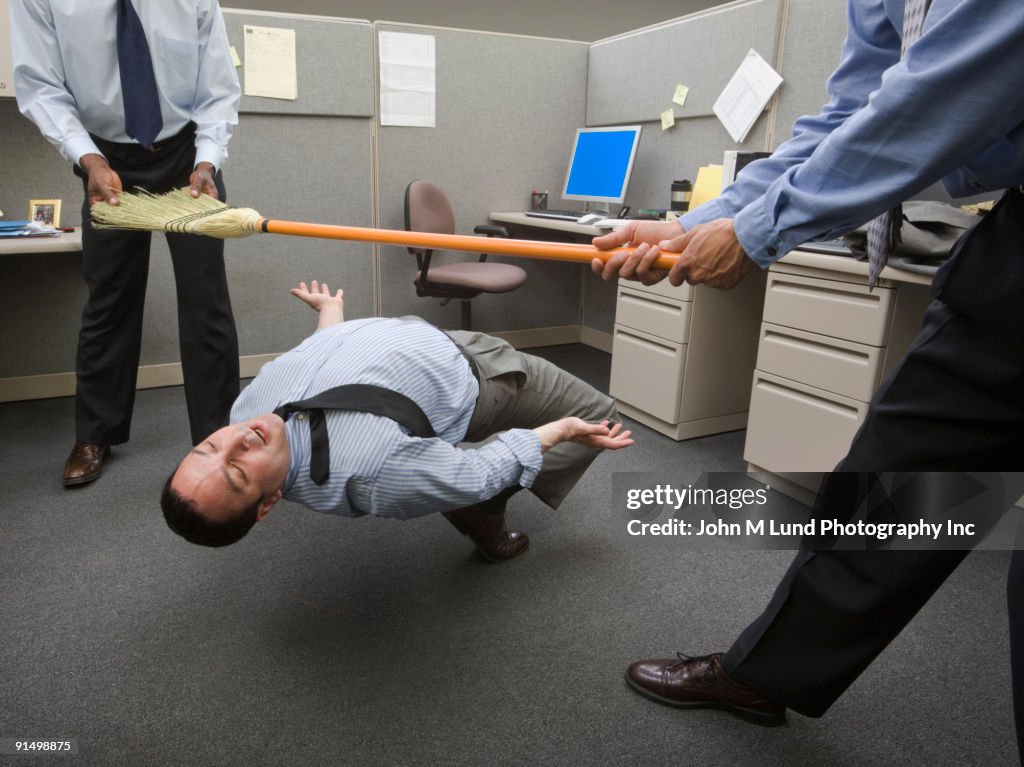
(589, 218)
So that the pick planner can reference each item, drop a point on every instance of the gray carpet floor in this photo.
(329, 641)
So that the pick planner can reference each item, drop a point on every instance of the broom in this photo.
(179, 211)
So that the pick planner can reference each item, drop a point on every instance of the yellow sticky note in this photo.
(679, 96)
(668, 119)
(234, 57)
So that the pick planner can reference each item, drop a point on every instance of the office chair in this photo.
(427, 210)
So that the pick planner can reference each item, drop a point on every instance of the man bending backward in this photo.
(547, 427)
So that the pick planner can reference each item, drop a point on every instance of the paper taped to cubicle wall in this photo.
(746, 95)
(270, 69)
(407, 89)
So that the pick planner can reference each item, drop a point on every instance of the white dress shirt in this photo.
(67, 80)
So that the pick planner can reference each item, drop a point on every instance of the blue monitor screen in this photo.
(602, 160)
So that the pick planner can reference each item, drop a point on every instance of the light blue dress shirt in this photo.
(951, 109)
(376, 467)
(67, 79)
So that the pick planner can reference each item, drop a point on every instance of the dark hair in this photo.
(183, 517)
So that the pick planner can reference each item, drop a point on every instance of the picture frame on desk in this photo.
(45, 212)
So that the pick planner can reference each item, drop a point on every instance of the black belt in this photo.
(185, 134)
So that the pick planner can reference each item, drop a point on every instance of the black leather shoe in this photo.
(701, 682)
(85, 463)
(487, 530)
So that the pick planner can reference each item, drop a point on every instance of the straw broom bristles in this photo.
(176, 211)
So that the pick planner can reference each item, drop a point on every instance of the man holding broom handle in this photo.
(142, 95)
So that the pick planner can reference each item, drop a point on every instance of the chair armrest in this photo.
(492, 230)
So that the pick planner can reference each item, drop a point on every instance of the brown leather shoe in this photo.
(701, 682)
(487, 530)
(85, 463)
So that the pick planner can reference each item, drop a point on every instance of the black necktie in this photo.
(361, 397)
(142, 118)
(884, 231)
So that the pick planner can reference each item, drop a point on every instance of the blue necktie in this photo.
(142, 118)
(884, 231)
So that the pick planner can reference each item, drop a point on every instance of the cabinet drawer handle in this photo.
(799, 396)
(671, 350)
(870, 300)
(847, 355)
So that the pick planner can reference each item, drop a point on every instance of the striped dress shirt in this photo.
(376, 466)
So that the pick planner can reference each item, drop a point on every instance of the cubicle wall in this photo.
(303, 160)
(41, 295)
(507, 108)
(813, 38)
(308, 159)
(632, 80)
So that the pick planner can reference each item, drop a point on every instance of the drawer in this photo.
(830, 307)
(841, 367)
(663, 317)
(792, 427)
(647, 372)
(664, 289)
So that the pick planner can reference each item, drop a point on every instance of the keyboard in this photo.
(561, 215)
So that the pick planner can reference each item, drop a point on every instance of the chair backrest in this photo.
(427, 210)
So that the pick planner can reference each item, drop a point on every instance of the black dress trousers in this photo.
(955, 403)
(115, 264)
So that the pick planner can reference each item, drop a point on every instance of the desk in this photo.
(681, 357)
(35, 342)
(65, 242)
(825, 345)
(553, 224)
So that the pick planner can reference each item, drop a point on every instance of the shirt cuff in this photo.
(756, 233)
(525, 446)
(709, 211)
(77, 148)
(208, 151)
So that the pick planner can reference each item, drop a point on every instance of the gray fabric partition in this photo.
(678, 153)
(812, 41)
(332, 63)
(633, 76)
(296, 168)
(507, 110)
(307, 160)
(31, 168)
(37, 335)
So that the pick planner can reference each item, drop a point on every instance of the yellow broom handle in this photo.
(500, 246)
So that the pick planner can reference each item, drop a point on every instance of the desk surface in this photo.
(521, 219)
(844, 264)
(65, 242)
(849, 265)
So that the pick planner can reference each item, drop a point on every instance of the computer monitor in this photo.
(601, 163)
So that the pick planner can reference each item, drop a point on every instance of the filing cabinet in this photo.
(682, 356)
(826, 343)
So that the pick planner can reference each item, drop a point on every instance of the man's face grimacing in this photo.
(235, 468)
